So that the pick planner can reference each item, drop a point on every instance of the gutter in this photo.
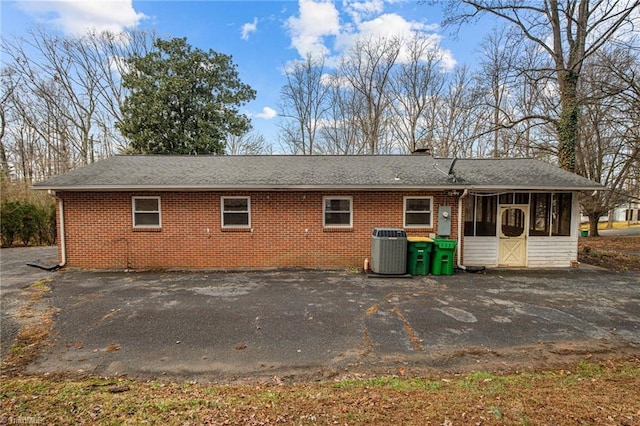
(306, 187)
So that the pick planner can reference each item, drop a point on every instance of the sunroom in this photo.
(526, 229)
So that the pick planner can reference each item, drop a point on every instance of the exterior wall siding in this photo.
(286, 230)
(541, 251)
(480, 251)
(551, 251)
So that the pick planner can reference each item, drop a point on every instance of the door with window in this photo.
(513, 222)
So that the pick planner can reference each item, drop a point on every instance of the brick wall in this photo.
(287, 230)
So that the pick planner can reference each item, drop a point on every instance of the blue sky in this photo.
(261, 36)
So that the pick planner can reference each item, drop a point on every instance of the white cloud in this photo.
(267, 113)
(359, 10)
(76, 17)
(319, 30)
(317, 20)
(249, 28)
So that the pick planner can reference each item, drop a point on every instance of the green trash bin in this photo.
(442, 262)
(418, 255)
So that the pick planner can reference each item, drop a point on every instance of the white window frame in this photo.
(405, 211)
(134, 211)
(324, 211)
(248, 211)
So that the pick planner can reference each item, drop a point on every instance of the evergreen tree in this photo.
(182, 100)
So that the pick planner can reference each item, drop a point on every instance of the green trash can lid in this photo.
(445, 244)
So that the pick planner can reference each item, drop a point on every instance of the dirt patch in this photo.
(619, 253)
(36, 322)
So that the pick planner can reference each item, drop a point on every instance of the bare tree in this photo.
(8, 85)
(367, 68)
(569, 32)
(459, 118)
(251, 143)
(415, 88)
(532, 104)
(495, 79)
(340, 132)
(304, 103)
(65, 100)
(610, 125)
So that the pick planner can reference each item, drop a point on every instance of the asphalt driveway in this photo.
(15, 276)
(214, 326)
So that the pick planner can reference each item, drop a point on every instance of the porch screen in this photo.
(550, 214)
(561, 214)
(539, 214)
(480, 215)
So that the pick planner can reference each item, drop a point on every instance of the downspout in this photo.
(63, 245)
(63, 241)
(460, 219)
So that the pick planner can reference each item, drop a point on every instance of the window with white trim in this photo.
(337, 212)
(146, 212)
(417, 212)
(236, 212)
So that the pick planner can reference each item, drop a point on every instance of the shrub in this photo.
(10, 222)
(28, 223)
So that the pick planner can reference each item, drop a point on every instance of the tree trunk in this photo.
(593, 225)
(4, 164)
(568, 123)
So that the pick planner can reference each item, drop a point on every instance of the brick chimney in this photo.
(423, 151)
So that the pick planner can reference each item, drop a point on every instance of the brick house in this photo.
(160, 212)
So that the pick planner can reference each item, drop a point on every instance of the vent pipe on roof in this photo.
(452, 173)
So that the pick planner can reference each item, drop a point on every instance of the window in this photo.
(236, 212)
(337, 211)
(417, 212)
(512, 222)
(514, 198)
(480, 215)
(146, 212)
(561, 214)
(549, 213)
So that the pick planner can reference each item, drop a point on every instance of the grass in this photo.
(598, 393)
(616, 225)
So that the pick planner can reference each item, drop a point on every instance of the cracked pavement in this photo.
(317, 324)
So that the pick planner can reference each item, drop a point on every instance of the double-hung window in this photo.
(337, 212)
(417, 212)
(236, 212)
(146, 212)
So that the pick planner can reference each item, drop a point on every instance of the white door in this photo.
(513, 223)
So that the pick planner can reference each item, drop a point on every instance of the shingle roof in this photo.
(366, 172)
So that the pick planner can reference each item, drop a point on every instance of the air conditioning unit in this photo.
(389, 251)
